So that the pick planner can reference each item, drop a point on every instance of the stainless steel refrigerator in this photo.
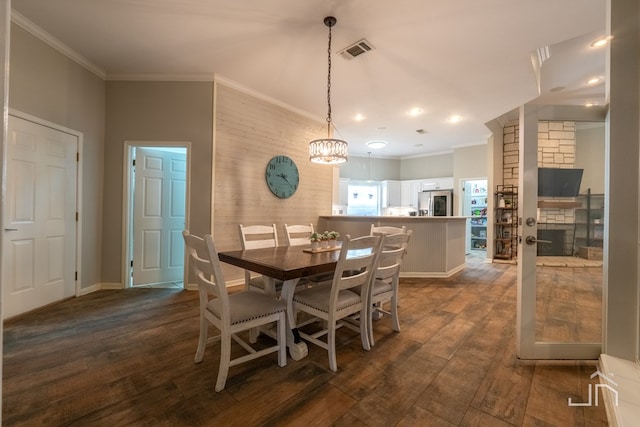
(435, 203)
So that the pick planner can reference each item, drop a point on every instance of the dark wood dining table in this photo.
(288, 264)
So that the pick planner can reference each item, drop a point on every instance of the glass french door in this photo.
(559, 294)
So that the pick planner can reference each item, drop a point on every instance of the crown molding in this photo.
(55, 43)
(160, 77)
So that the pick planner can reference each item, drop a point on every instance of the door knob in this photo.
(531, 240)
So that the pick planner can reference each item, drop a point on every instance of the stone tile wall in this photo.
(556, 149)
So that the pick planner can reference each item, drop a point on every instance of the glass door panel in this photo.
(559, 275)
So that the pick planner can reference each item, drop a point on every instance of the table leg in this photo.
(297, 348)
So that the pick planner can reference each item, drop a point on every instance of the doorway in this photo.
(156, 212)
(474, 206)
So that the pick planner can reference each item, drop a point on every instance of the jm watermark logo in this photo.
(607, 384)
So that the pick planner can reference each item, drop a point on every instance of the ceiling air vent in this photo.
(356, 49)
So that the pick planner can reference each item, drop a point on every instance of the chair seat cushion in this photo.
(245, 306)
(381, 286)
(318, 298)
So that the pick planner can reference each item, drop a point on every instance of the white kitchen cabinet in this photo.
(405, 193)
(391, 194)
(414, 187)
(445, 183)
(343, 191)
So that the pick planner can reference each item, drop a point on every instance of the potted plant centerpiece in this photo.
(324, 240)
(315, 238)
(333, 238)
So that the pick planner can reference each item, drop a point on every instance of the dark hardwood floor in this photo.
(116, 358)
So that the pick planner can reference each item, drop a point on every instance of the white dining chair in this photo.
(386, 229)
(297, 235)
(257, 237)
(384, 287)
(332, 305)
(230, 313)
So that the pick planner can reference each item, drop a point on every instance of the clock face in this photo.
(282, 176)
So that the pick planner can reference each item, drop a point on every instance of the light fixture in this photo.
(601, 41)
(328, 151)
(594, 81)
(376, 145)
(359, 117)
(415, 112)
(455, 118)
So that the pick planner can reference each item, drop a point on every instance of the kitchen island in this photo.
(436, 249)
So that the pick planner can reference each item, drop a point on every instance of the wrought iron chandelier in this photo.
(328, 151)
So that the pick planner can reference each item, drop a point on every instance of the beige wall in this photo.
(381, 169)
(48, 85)
(249, 132)
(155, 111)
(470, 162)
(427, 167)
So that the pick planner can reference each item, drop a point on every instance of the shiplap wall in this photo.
(248, 133)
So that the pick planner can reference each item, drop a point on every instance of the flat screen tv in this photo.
(555, 182)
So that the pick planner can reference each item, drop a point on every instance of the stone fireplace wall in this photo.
(556, 149)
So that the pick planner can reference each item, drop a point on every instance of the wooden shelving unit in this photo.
(506, 222)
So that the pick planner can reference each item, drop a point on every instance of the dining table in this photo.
(288, 264)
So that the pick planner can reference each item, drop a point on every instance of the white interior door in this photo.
(39, 236)
(158, 216)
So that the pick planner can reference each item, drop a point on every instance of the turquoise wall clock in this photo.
(282, 176)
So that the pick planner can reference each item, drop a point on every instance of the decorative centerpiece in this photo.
(333, 238)
(324, 240)
(315, 238)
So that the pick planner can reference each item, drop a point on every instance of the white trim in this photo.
(432, 274)
(55, 43)
(472, 144)
(80, 140)
(127, 196)
(112, 286)
(162, 77)
(90, 289)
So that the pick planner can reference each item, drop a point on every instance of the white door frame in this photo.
(526, 345)
(21, 115)
(127, 201)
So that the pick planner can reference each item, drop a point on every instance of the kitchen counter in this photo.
(436, 249)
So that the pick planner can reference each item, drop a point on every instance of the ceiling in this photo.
(451, 57)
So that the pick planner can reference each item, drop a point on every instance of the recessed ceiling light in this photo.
(455, 118)
(376, 145)
(601, 41)
(594, 80)
(415, 112)
(359, 117)
(590, 104)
